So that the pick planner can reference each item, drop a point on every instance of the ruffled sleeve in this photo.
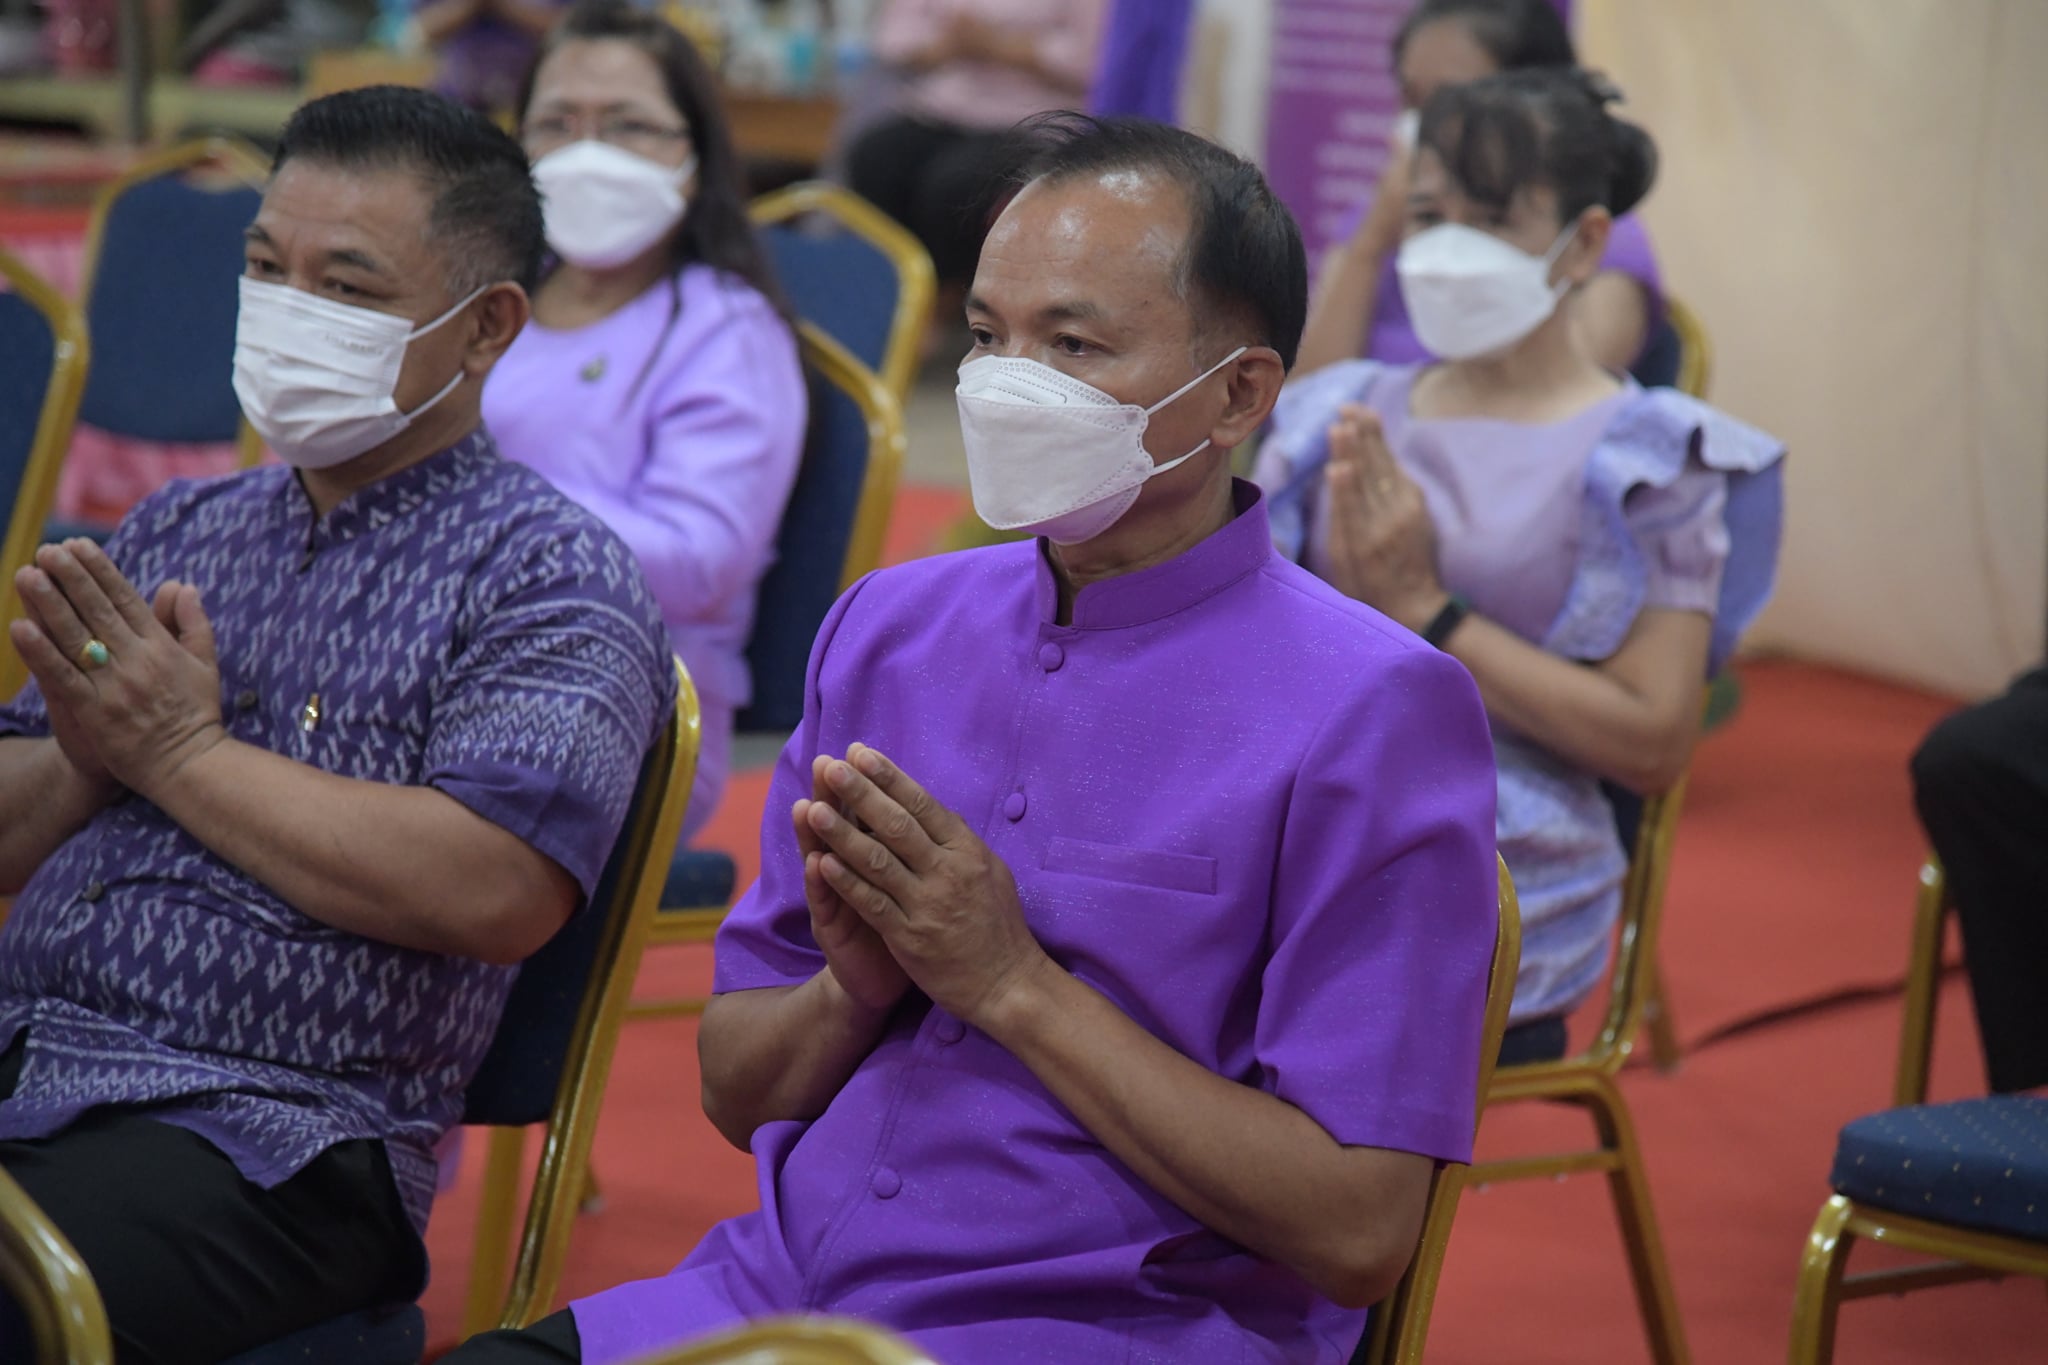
(1296, 446)
(1684, 506)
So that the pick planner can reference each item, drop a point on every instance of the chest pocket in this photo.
(1186, 872)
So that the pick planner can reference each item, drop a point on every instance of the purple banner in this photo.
(1332, 104)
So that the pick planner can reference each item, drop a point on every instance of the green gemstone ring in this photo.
(94, 654)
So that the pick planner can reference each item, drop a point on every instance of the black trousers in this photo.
(940, 181)
(197, 1264)
(551, 1341)
(1980, 781)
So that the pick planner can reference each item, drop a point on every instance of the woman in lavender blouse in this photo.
(658, 383)
(1588, 548)
(1357, 309)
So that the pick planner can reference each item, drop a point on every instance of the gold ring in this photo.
(94, 654)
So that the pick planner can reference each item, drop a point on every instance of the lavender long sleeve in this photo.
(679, 421)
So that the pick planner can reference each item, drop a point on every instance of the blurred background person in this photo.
(971, 69)
(658, 384)
(1357, 310)
(483, 48)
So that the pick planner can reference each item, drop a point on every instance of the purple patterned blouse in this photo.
(463, 627)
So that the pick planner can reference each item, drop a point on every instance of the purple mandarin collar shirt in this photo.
(1254, 814)
(458, 625)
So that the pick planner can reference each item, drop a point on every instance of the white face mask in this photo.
(1049, 454)
(603, 206)
(316, 378)
(1471, 294)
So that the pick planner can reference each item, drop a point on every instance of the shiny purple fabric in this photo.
(1255, 815)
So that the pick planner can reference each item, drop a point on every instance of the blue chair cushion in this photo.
(1979, 1163)
(375, 1336)
(839, 281)
(1657, 366)
(27, 357)
(699, 879)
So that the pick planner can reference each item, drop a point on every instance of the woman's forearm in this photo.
(1340, 314)
(1631, 719)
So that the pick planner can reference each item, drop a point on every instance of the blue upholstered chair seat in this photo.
(375, 1336)
(1979, 1163)
(699, 878)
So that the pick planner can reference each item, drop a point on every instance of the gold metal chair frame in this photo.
(1588, 1081)
(1923, 977)
(231, 155)
(1964, 1254)
(1823, 1287)
(1400, 1323)
(650, 832)
(796, 1341)
(38, 488)
(863, 551)
(915, 280)
(45, 1276)
(1695, 352)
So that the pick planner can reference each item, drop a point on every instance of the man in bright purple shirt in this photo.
(1114, 979)
(280, 839)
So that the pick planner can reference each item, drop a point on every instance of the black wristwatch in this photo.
(1444, 622)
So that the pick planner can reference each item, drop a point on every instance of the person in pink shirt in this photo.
(658, 384)
(972, 68)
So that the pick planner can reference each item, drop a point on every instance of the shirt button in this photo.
(1013, 805)
(950, 1030)
(93, 891)
(1051, 656)
(246, 702)
(885, 1183)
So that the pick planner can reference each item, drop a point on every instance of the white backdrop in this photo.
(1855, 198)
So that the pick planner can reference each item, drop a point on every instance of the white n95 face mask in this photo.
(602, 206)
(316, 378)
(1471, 294)
(1052, 455)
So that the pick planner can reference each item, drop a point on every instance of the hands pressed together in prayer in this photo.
(133, 689)
(1382, 543)
(903, 893)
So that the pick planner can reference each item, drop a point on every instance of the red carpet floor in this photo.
(1792, 879)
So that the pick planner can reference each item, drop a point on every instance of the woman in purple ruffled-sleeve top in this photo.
(1590, 549)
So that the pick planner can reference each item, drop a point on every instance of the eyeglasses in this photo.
(620, 130)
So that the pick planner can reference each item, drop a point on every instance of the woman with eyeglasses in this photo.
(658, 384)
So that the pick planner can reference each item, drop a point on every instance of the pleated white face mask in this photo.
(317, 379)
(1471, 294)
(1052, 455)
(602, 206)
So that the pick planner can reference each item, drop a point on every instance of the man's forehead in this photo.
(379, 207)
(1100, 237)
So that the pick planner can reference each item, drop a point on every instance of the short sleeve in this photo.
(543, 717)
(1683, 535)
(1384, 915)
(766, 938)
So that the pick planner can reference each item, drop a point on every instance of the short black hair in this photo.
(1515, 33)
(1540, 126)
(1243, 255)
(486, 211)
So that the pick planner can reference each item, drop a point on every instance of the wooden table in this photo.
(782, 127)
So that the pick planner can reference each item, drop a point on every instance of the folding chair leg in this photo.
(1820, 1285)
(1664, 1048)
(1923, 979)
(1631, 1190)
(491, 1257)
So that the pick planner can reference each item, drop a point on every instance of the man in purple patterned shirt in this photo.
(313, 756)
